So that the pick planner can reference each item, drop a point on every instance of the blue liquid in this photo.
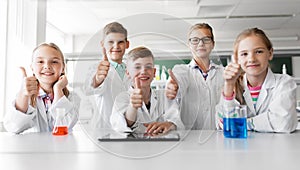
(235, 127)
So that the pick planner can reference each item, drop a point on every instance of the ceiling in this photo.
(164, 23)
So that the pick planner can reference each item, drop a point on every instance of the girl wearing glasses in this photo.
(199, 83)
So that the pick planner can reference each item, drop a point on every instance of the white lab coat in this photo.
(199, 96)
(275, 107)
(105, 95)
(161, 110)
(35, 119)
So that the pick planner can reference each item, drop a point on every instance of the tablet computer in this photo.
(113, 137)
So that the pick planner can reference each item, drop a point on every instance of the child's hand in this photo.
(159, 127)
(102, 69)
(30, 84)
(232, 72)
(171, 86)
(136, 97)
(61, 83)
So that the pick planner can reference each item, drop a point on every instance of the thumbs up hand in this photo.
(30, 84)
(136, 97)
(171, 86)
(231, 73)
(30, 87)
(102, 70)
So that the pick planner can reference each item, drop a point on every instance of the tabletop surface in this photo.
(196, 149)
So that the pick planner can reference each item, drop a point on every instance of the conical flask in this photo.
(60, 125)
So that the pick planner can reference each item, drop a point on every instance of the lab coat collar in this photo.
(115, 64)
(269, 83)
(212, 68)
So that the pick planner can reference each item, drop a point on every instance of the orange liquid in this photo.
(60, 130)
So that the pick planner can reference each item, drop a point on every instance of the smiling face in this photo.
(115, 45)
(143, 69)
(254, 56)
(47, 65)
(204, 47)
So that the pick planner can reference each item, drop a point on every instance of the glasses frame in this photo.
(205, 40)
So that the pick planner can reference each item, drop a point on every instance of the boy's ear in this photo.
(101, 43)
(154, 71)
(127, 44)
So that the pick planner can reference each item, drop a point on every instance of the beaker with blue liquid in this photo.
(235, 122)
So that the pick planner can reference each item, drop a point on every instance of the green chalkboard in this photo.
(277, 62)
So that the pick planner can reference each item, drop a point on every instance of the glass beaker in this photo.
(61, 124)
(235, 122)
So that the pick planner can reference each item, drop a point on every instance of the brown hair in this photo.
(54, 46)
(247, 33)
(139, 52)
(114, 27)
(201, 26)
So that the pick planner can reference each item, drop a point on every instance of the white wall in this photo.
(25, 21)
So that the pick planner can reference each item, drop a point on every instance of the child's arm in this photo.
(29, 88)
(102, 71)
(136, 101)
(231, 74)
(58, 88)
(171, 86)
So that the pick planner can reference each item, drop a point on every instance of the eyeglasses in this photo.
(196, 40)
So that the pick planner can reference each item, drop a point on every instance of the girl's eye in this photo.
(243, 54)
(54, 61)
(40, 61)
(259, 51)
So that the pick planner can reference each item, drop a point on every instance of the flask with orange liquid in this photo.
(60, 126)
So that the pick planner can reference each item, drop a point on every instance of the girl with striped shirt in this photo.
(270, 98)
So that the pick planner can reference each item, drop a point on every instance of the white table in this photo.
(198, 150)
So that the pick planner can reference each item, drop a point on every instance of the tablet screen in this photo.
(139, 137)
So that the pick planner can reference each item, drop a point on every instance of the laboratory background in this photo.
(75, 26)
(162, 25)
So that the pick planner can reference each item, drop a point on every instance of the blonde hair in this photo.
(54, 46)
(239, 89)
(139, 52)
(201, 26)
(114, 27)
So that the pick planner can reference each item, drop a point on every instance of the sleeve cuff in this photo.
(230, 97)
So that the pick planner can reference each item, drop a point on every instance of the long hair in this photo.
(239, 89)
(54, 46)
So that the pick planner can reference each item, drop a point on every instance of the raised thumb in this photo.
(23, 71)
(172, 76)
(137, 83)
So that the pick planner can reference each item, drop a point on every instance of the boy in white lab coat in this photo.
(199, 83)
(270, 98)
(34, 109)
(108, 79)
(143, 109)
